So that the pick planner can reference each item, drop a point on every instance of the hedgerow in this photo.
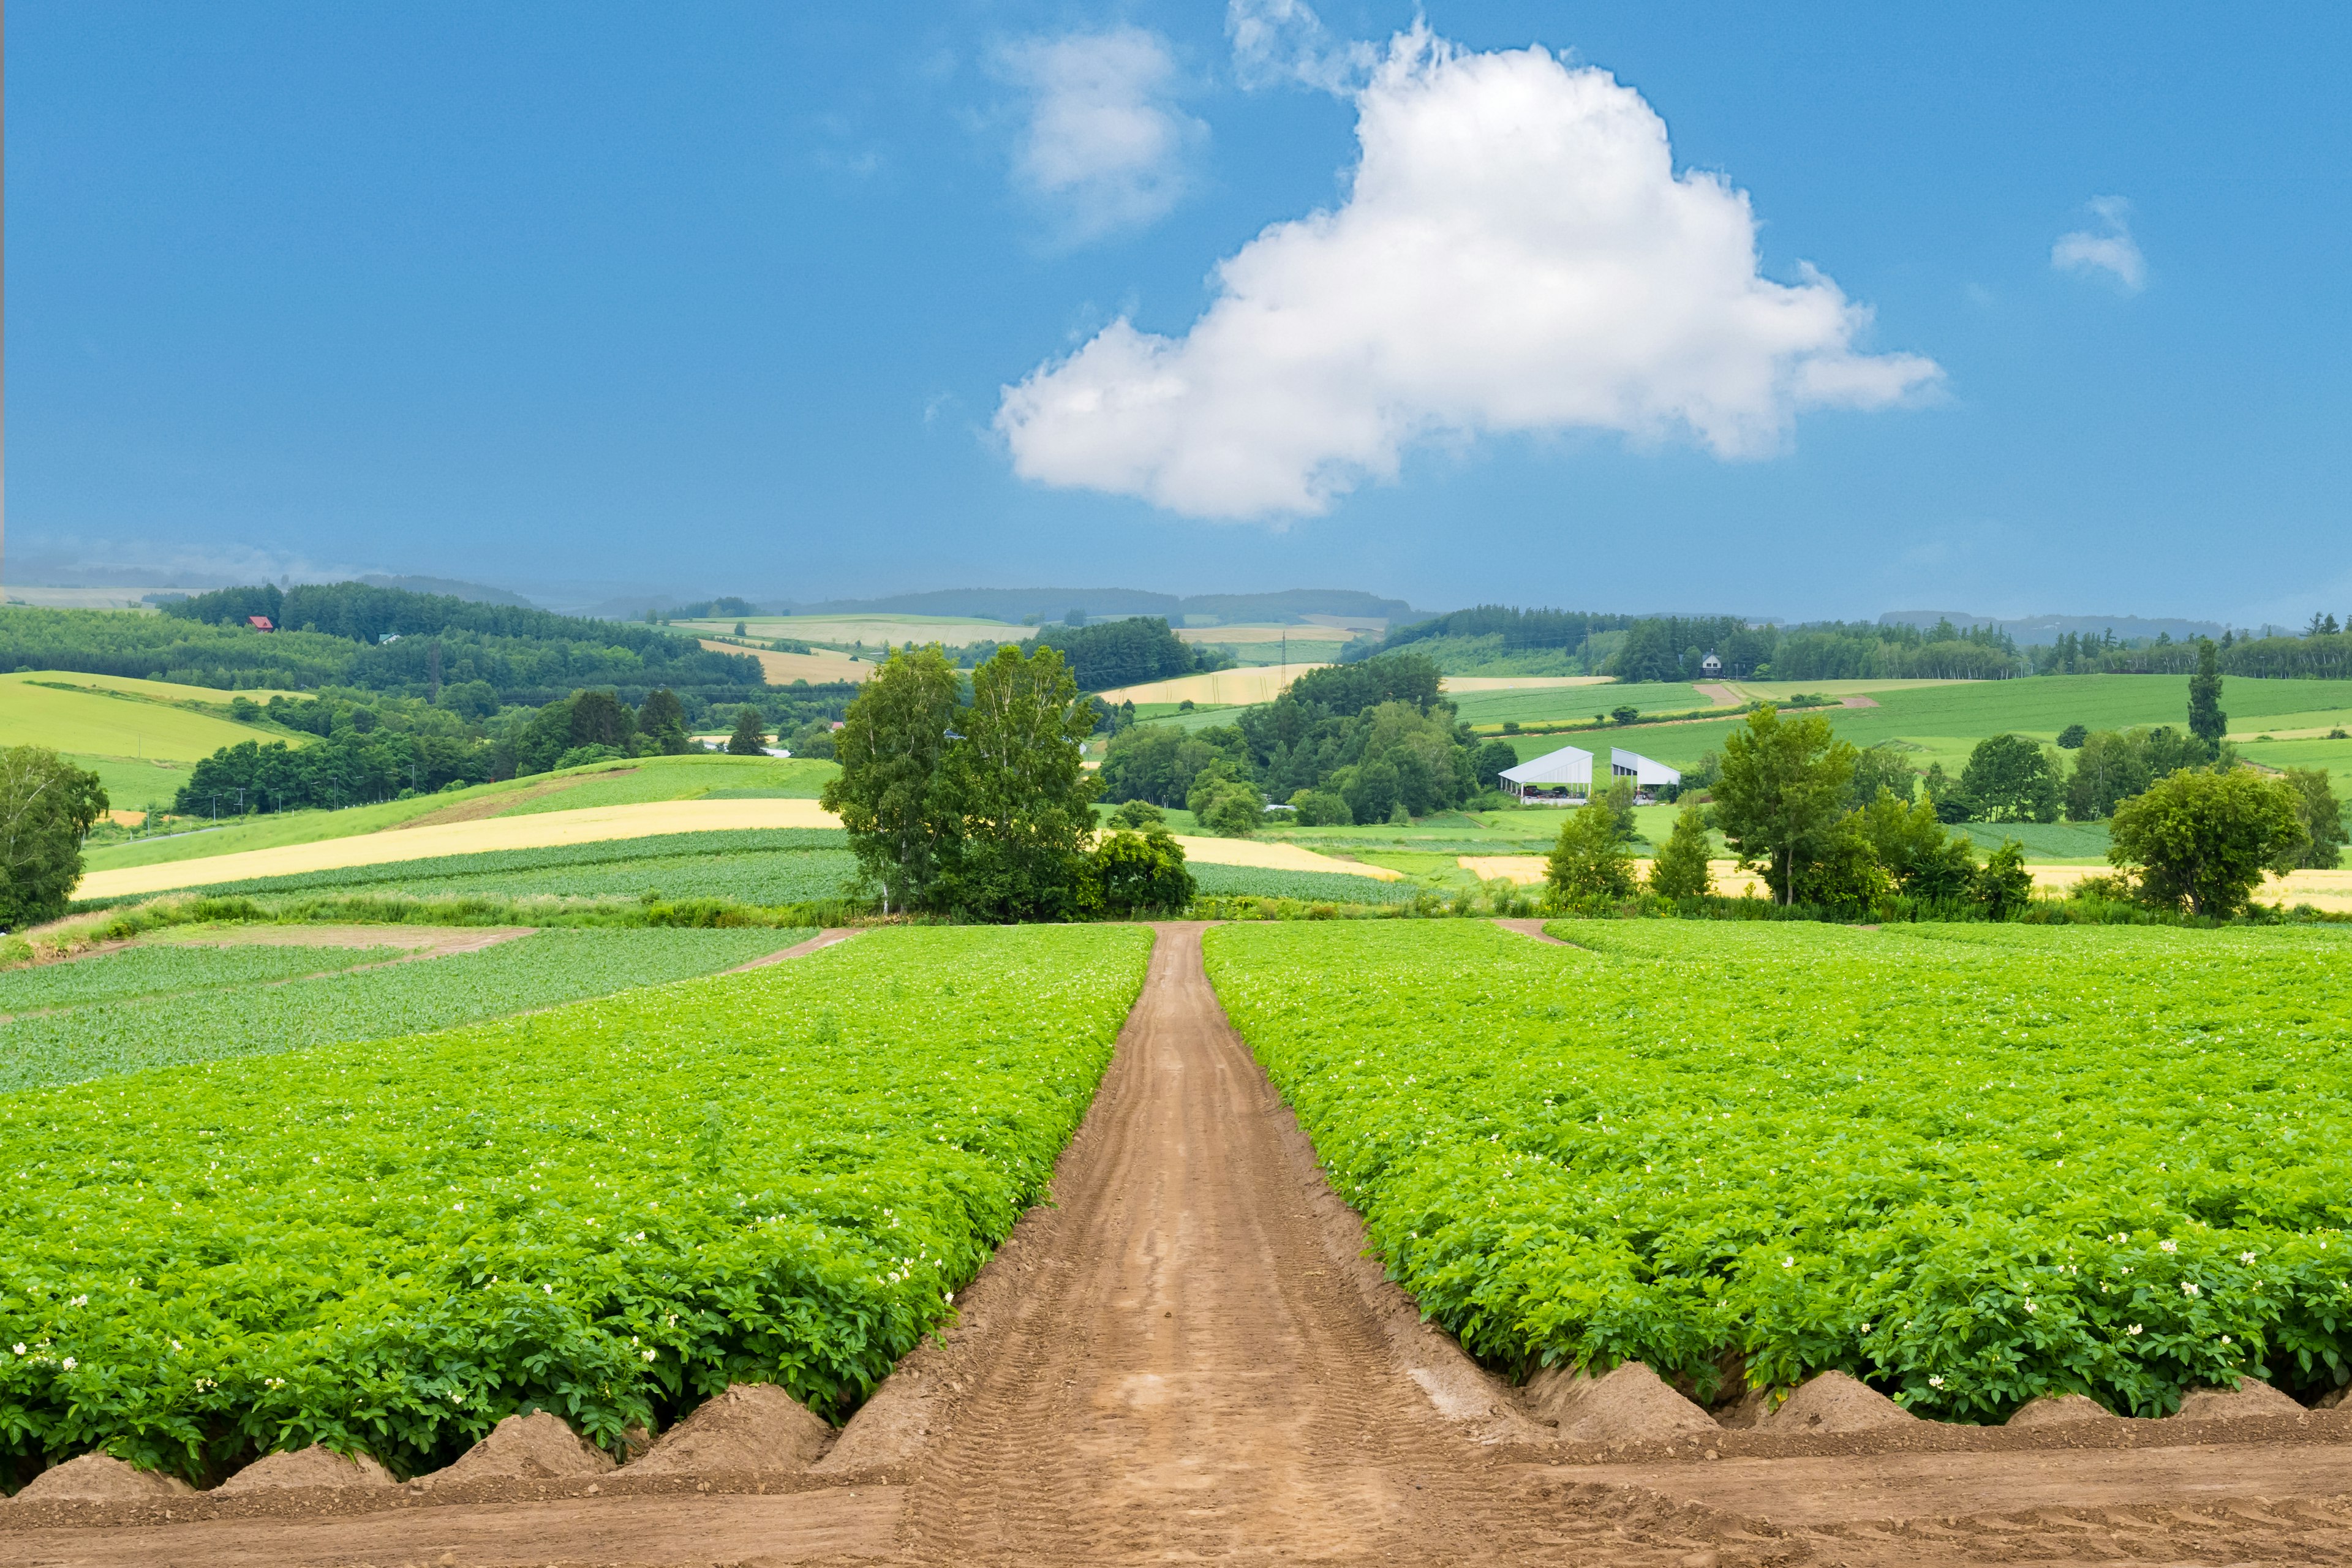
(610, 1210)
(1968, 1164)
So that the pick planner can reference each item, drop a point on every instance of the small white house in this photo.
(1710, 666)
(1565, 775)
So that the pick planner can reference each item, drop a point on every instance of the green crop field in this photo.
(611, 1210)
(133, 785)
(1307, 887)
(1969, 1165)
(96, 716)
(211, 1022)
(703, 777)
(1549, 704)
(152, 970)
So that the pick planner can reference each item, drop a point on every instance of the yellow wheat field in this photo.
(547, 830)
(1235, 687)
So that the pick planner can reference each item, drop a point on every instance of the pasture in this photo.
(122, 719)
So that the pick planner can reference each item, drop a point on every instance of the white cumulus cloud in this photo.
(1517, 254)
(2106, 247)
(1105, 145)
(1283, 41)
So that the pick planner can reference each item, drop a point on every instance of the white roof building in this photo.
(1644, 772)
(1558, 775)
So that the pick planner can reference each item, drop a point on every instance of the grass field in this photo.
(134, 785)
(610, 1210)
(205, 1023)
(104, 716)
(1224, 687)
(817, 668)
(1968, 1164)
(1540, 704)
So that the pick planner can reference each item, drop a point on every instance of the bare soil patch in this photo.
(490, 806)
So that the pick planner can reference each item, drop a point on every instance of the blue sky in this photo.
(2046, 311)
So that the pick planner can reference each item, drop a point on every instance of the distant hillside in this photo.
(2040, 631)
(448, 588)
(1053, 604)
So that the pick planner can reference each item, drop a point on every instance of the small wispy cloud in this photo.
(2106, 247)
(1105, 145)
(1281, 43)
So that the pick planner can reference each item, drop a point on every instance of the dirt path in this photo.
(1187, 1371)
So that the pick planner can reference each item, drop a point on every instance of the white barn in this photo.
(1645, 773)
(1564, 774)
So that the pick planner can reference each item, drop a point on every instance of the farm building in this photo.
(1562, 775)
(1710, 666)
(1646, 774)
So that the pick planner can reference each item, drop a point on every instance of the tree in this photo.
(1680, 870)
(1234, 811)
(661, 719)
(2206, 720)
(1321, 809)
(890, 745)
(2110, 767)
(1845, 874)
(2204, 839)
(750, 736)
(2004, 887)
(2010, 779)
(2072, 737)
(1132, 872)
(1880, 769)
(1015, 780)
(1139, 814)
(1491, 759)
(1590, 861)
(1624, 713)
(1781, 793)
(47, 807)
(1910, 842)
(2323, 818)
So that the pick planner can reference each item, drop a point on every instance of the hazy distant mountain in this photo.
(1014, 604)
(2035, 631)
(451, 587)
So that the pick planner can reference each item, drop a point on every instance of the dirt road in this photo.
(1188, 1359)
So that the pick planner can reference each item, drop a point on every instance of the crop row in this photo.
(611, 1210)
(160, 970)
(1307, 887)
(211, 1024)
(1967, 1164)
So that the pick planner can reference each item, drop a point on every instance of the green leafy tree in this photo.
(1321, 809)
(1910, 841)
(750, 736)
(1624, 713)
(1015, 780)
(1781, 793)
(890, 745)
(2011, 779)
(1618, 798)
(661, 719)
(2004, 887)
(2110, 767)
(1844, 875)
(1139, 814)
(1590, 861)
(1944, 793)
(2205, 839)
(47, 808)
(1680, 870)
(1236, 812)
(2206, 720)
(2323, 817)
(1135, 873)
(1881, 770)
(2072, 737)
(1491, 759)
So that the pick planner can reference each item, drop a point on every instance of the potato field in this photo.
(1971, 1164)
(610, 1210)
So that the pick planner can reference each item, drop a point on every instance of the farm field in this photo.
(780, 1174)
(108, 716)
(1224, 687)
(872, 630)
(1581, 702)
(695, 776)
(207, 1019)
(1968, 1164)
(817, 667)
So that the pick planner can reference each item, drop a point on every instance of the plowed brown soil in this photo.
(1189, 1360)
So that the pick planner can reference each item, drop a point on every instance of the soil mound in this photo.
(1835, 1402)
(1628, 1404)
(2056, 1409)
(2253, 1397)
(748, 1427)
(102, 1478)
(316, 1466)
(536, 1446)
